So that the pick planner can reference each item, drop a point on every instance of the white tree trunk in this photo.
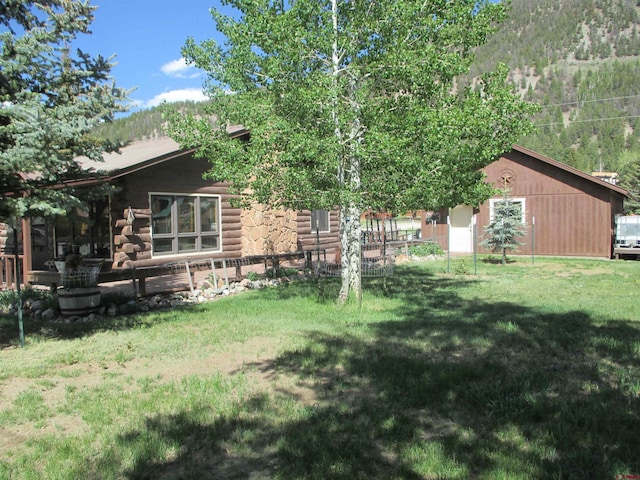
(351, 253)
(349, 180)
(351, 237)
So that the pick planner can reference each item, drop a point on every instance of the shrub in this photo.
(281, 272)
(9, 298)
(461, 267)
(253, 276)
(425, 249)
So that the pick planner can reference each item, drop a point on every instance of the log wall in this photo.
(5, 239)
(328, 241)
(183, 175)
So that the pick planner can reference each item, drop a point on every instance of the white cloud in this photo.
(179, 69)
(193, 94)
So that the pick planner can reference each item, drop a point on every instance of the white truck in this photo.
(627, 240)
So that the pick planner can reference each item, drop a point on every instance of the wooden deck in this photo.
(177, 275)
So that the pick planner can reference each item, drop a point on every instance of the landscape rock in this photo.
(36, 305)
(49, 314)
(206, 291)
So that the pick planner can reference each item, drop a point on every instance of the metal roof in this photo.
(131, 155)
(138, 155)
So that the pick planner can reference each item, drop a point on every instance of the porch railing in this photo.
(9, 265)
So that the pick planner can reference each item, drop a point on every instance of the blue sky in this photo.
(146, 36)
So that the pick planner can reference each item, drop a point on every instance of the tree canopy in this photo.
(354, 105)
(630, 179)
(50, 99)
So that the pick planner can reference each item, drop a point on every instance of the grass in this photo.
(522, 371)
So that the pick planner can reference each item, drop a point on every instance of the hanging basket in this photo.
(82, 276)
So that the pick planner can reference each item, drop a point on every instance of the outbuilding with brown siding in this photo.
(566, 212)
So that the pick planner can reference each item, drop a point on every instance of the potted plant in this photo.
(79, 294)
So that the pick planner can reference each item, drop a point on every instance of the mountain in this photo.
(143, 124)
(578, 59)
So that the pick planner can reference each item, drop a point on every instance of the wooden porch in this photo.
(178, 276)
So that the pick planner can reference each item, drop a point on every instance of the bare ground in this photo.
(253, 358)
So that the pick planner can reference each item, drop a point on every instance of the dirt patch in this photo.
(253, 358)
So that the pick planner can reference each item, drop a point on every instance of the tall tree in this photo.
(50, 99)
(353, 104)
(630, 179)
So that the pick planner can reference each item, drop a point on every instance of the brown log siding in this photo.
(181, 175)
(329, 241)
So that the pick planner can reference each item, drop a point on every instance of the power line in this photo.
(588, 120)
(589, 101)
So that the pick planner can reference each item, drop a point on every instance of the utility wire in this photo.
(589, 101)
(587, 120)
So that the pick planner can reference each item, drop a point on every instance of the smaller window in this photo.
(320, 220)
(519, 202)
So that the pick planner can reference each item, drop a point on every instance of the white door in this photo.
(460, 218)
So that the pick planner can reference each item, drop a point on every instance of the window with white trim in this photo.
(185, 223)
(519, 202)
(320, 220)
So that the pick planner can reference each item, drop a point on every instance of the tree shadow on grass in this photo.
(323, 290)
(78, 328)
(450, 388)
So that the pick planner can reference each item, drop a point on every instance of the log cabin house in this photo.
(162, 210)
(566, 212)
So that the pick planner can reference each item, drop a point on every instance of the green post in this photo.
(448, 245)
(18, 281)
(475, 246)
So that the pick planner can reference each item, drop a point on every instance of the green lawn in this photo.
(524, 371)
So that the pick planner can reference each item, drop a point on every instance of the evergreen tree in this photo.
(50, 99)
(506, 228)
(630, 179)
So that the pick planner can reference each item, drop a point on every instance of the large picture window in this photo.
(184, 223)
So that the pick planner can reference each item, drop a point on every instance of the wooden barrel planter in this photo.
(79, 294)
(78, 301)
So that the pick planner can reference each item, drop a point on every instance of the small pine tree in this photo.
(504, 231)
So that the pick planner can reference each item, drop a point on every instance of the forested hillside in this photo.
(578, 59)
(143, 124)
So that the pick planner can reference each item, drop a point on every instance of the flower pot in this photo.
(78, 301)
